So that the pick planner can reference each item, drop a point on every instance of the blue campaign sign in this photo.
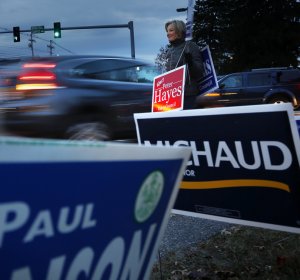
(243, 168)
(92, 211)
(209, 82)
(297, 118)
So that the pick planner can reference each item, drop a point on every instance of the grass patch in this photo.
(240, 252)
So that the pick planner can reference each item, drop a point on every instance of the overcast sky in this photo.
(148, 16)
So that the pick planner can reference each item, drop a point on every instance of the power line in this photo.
(63, 48)
(52, 42)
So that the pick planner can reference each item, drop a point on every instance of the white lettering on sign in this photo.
(235, 156)
(161, 95)
(207, 67)
(168, 85)
(85, 262)
(19, 211)
(189, 173)
(15, 215)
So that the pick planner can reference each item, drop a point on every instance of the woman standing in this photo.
(182, 52)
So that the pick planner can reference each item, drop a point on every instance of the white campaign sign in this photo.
(72, 209)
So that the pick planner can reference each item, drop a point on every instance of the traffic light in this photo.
(57, 30)
(16, 31)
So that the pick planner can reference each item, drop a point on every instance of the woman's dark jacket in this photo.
(191, 56)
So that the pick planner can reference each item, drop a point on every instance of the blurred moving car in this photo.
(258, 86)
(75, 97)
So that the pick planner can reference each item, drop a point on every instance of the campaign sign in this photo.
(168, 90)
(84, 210)
(209, 81)
(244, 166)
(297, 118)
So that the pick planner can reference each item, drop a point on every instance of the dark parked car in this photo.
(75, 97)
(259, 86)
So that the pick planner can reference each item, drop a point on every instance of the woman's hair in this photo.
(179, 26)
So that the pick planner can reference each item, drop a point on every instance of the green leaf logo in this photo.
(149, 196)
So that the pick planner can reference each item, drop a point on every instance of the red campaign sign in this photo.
(168, 90)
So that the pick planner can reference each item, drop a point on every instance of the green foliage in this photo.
(160, 59)
(245, 34)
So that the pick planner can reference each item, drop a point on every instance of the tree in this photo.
(244, 34)
(210, 21)
(160, 59)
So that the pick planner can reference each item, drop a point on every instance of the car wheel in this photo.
(89, 131)
(278, 100)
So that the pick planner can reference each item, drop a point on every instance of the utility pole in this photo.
(190, 18)
(30, 45)
(51, 47)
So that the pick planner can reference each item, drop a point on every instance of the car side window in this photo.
(147, 73)
(104, 69)
(113, 70)
(288, 76)
(233, 81)
(259, 79)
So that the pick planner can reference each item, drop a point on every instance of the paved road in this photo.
(183, 231)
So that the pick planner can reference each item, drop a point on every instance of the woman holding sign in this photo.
(182, 52)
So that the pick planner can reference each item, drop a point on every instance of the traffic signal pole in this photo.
(129, 25)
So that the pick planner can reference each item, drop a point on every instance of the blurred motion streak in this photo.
(75, 97)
